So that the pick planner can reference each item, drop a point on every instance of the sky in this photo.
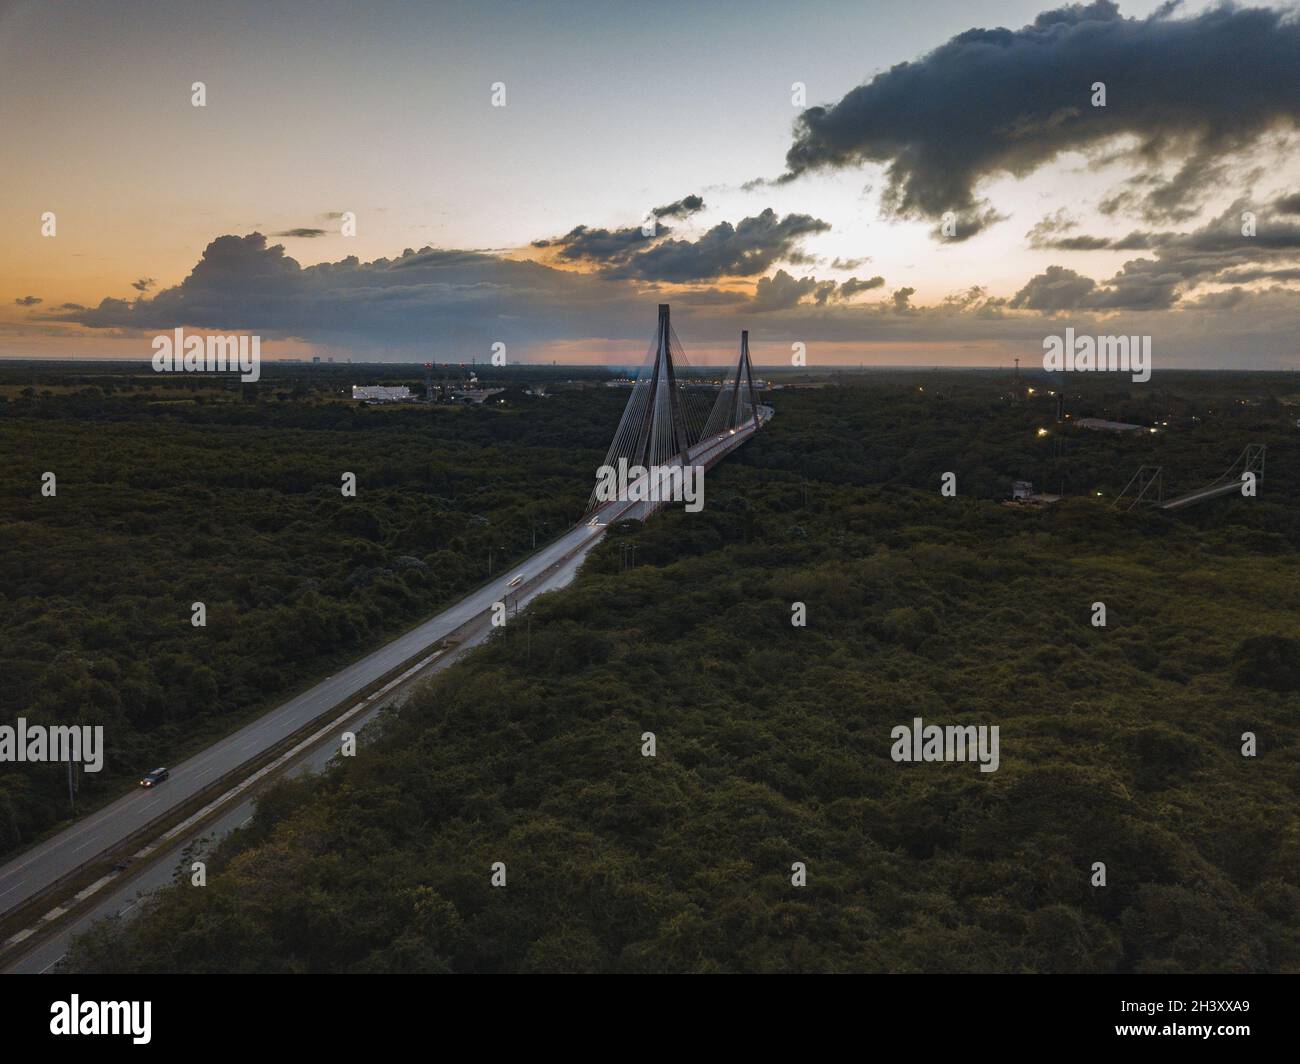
(928, 183)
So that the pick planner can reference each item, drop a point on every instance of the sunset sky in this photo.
(817, 221)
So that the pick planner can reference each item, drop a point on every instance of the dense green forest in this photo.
(163, 501)
(1119, 745)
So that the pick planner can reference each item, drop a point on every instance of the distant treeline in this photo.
(239, 506)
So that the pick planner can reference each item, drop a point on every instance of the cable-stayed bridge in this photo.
(673, 420)
(1147, 484)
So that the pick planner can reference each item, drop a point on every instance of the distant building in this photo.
(1101, 425)
(1023, 494)
(473, 395)
(380, 393)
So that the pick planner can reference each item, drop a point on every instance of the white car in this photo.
(516, 581)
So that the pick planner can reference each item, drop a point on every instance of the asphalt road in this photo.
(85, 839)
(120, 900)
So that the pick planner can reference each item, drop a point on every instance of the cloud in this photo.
(308, 234)
(1218, 252)
(1048, 234)
(1055, 289)
(1184, 92)
(781, 291)
(681, 208)
(28, 301)
(853, 286)
(747, 249)
(455, 303)
(143, 284)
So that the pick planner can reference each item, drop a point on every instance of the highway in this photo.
(44, 864)
(121, 897)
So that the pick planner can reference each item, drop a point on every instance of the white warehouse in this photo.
(380, 393)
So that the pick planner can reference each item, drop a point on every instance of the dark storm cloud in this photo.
(746, 249)
(28, 301)
(604, 246)
(421, 298)
(1288, 204)
(1000, 101)
(853, 286)
(609, 247)
(682, 208)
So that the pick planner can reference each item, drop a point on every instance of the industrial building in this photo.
(378, 393)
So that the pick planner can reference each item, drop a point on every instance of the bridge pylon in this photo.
(737, 402)
(1147, 485)
(662, 420)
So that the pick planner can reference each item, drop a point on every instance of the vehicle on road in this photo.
(516, 581)
(152, 779)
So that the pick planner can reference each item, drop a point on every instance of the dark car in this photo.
(152, 779)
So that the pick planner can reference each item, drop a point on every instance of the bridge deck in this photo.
(1202, 493)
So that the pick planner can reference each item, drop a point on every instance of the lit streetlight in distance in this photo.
(1042, 433)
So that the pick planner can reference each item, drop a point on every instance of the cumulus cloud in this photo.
(28, 301)
(455, 303)
(1219, 252)
(781, 291)
(143, 284)
(419, 298)
(1181, 92)
(747, 249)
(1054, 289)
